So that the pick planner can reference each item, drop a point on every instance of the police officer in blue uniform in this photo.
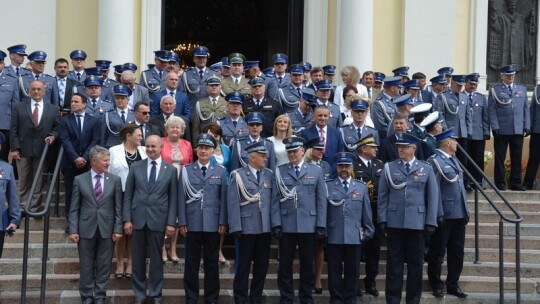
(510, 121)
(290, 95)
(280, 61)
(453, 105)
(16, 57)
(253, 70)
(324, 88)
(383, 107)
(368, 169)
(9, 96)
(78, 60)
(479, 130)
(116, 118)
(96, 105)
(193, 81)
(269, 108)
(402, 72)
(298, 217)
(412, 87)
(302, 116)
(157, 73)
(233, 125)
(202, 217)
(328, 74)
(10, 196)
(403, 106)
(357, 129)
(37, 61)
(534, 143)
(248, 209)
(104, 66)
(316, 145)
(349, 224)
(449, 238)
(407, 206)
(239, 157)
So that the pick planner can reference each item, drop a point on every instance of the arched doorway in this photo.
(256, 29)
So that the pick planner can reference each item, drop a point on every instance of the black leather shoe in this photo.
(501, 187)
(372, 290)
(359, 292)
(438, 293)
(518, 188)
(156, 301)
(456, 292)
(99, 301)
(317, 290)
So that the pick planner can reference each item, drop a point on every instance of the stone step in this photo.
(175, 281)
(176, 295)
(531, 195)
(71, 266)
(490, 216)
(508, 229)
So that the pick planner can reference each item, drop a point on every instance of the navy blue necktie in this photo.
(203, 169)
(258, 176)
(152, 178)
(345, 186)
(408, 167)
(297, 170)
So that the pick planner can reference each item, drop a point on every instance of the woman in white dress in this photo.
(350, 76)
(282, 129)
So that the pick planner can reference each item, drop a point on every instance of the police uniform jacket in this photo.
(479, 127)
(207, 213)
(308, 210)
(415, 204)
(51, 87)
(453, 199)
(73, 75)
(535, 111)
(205, 113)
(102, 107)
(153, 74)
(11, 71)
(111, 123)
(285, 80)
(335, 119)
(509, 113)
(269, 108)
(350, 135)
(383, 112)
(192, 84)
(9, 96)
(349, 213)
(455, 111)
(254, 217)
(9, 197)
(289, 97)
(299, 122)
(230, 132)
(239, 157)
(325, 166)
(271, 90)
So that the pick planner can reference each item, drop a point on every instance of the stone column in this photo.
(115, 28)
(150, 30)
(315, 30)
(355, 19)
(478, 42)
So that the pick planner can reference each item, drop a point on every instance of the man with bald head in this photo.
(138, 92)
(170, 88)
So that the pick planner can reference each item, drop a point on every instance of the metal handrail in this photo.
(44, 213)
(503, 218)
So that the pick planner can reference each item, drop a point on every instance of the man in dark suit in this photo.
(388, 150)
(167, 105)
(34, 123)
(79, 132)
(333, 139)
(150, 206)
(182, 108)
(142, 117)
(95, 222)
(66, 85)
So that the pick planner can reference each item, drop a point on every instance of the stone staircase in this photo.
(480, 281)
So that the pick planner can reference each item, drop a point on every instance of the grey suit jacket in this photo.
(155, 207)
(24, 136)
(140, 93)
(87, 215)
